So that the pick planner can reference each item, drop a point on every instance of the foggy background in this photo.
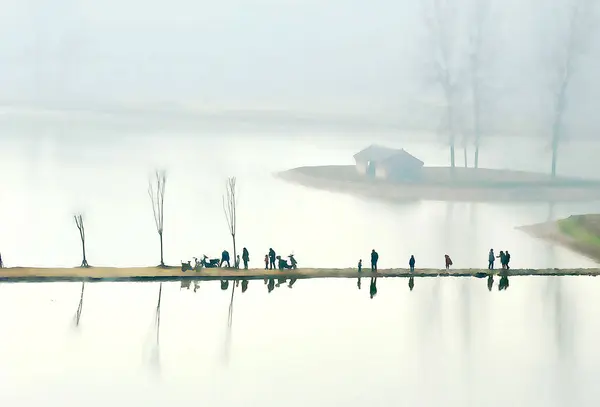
(350, 63)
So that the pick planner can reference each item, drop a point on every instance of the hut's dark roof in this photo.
(385, 155)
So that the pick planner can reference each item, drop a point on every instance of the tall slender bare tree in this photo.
(79, 222)
(439, 16)
(230, 209)
(156, 191)
(568, 50)
(481, 10)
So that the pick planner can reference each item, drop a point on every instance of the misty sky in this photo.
(335, 56)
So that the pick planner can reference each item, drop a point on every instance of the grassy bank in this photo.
(580, 233)
(25, 274)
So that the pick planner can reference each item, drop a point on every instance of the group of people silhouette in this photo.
(504, 257)
(411, 262)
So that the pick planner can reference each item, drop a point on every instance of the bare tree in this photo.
(476, 38)
(439, 16)
(156, 191)
(79, 222)
(567, 55)
(230, 209)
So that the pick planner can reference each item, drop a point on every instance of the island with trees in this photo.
(396, 175)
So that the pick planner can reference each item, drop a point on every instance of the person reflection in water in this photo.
(291, 283)
(373, 287)
(271, 285)
(503, 284)
(490, 282)
(224, 284)
(411, 283)
(244, 285)
(358, 283)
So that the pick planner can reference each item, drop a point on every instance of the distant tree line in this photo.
(462, 79)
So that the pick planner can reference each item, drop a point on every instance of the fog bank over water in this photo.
(368, 60)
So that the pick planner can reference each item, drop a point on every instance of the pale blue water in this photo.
(323, 342)
(448, 342)
(48, 177)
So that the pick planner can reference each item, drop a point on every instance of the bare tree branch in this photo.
(156, 191)
(230, 210)
(479, 18)
(575, 39)
(81, 227)
(438, 16)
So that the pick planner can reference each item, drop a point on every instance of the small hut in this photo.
(387, 163)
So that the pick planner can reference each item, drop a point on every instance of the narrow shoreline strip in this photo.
(22, 274)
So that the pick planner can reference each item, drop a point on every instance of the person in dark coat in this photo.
(272, 257)
(245, 258)
(448, 261)
(411, 263)
(360, 265)
(266, 263)
(502, 258)
(507, 256)
(374, 260)
(1, 264)
(491, 259)
(225, 259)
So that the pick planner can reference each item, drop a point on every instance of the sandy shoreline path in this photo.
(25, 274)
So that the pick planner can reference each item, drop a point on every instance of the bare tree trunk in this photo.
(235, 262)
(162, 261)
(557, 125)
(572, 44)
(81, 227)
(450, 112)
(157, 197)
(230, 210)
(83, 249)
(480, 15)
(440, 22)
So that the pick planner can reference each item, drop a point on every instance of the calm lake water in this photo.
(49, 176)
(448, 342)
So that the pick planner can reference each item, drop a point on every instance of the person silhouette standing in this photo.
(411, 263)
(374, 260)
(491, 259)
(272, 257)
(448, 261)
(245, 258)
